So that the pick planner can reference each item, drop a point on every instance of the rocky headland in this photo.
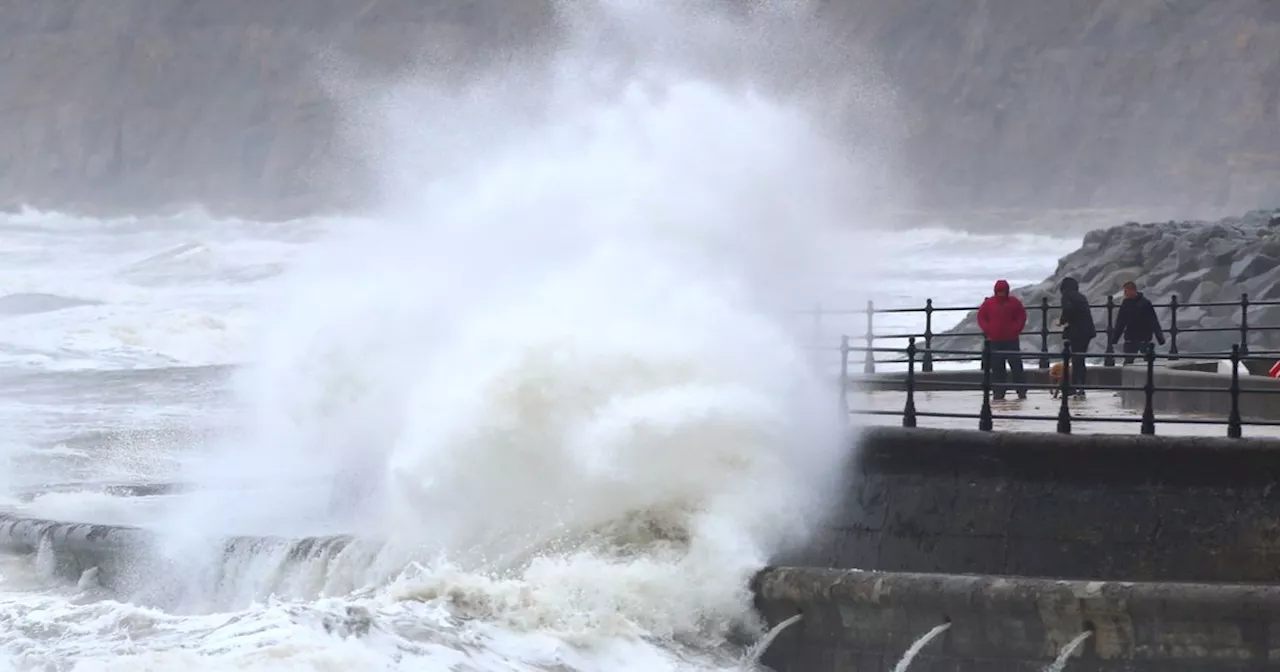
(1198, 262)
(131, 106)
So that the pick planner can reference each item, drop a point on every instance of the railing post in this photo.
(1173, 327)
(1044, 332)
(1233, 420)
(869, 366)
(909, 411)
(1064, 412)
(1110, 359)
(926, 364)
(1148, 407)
(844, 372)
(1244, 323)
(984, 416)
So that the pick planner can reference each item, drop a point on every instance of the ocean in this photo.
(200, 350)
(554, 385)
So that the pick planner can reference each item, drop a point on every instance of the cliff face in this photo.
(136, 104)
(1084, 102)
(128, 104)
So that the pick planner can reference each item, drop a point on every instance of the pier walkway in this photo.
(1099, 404)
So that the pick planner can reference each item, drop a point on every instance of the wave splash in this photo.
(550, 389)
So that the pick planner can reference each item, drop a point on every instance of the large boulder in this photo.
(1196, 262)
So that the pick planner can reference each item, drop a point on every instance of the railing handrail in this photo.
(1224, 354)
(973, 334)
(1172, 303)
(986, 417)
(1044, 331)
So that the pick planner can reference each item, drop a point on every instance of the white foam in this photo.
(557, 369)
(93, 507)
(131, 292)
(551, 382)
(1224, 367)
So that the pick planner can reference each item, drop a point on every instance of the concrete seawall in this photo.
(864, 621)
(1020, 541)
(76, 547)
(1090, 507)
(124, 557)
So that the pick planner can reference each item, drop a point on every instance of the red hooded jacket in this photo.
(1002, 318)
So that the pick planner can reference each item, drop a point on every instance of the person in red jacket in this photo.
(1001, 318)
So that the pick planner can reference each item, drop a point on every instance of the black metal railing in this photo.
(928, 359)
(985, 416)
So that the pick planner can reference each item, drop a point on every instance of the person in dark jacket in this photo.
(1001, 318)
(1077, 329)
(1136, 323)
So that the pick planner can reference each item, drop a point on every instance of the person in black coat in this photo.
(1077, 329)
(1136, 323)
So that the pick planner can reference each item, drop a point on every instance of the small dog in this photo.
(1056, 372)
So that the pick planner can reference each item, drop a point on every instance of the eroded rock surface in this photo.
(1197, 262)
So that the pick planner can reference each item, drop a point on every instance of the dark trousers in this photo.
(1009, 352)
(1079, 349)
(1132, 348)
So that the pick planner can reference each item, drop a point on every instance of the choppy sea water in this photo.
(120, 342)
(554, 384)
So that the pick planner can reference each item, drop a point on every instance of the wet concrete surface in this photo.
(1099, 413)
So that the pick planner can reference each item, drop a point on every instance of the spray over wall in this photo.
(552, 379)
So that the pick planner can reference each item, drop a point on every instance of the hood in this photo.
(1001, 286)
(1069, 284)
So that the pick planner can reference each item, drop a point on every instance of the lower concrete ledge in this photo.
(864, 621)
(74, 548)
(125, 556)
(1259, 395)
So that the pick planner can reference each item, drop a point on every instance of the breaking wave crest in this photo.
(548, 390)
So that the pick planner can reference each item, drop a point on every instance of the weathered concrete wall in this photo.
(864, 621)
(1259, 396)
(127, 558)
(1101, 507)
(77, 547)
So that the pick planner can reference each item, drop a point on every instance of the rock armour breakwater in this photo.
(1197, 261)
